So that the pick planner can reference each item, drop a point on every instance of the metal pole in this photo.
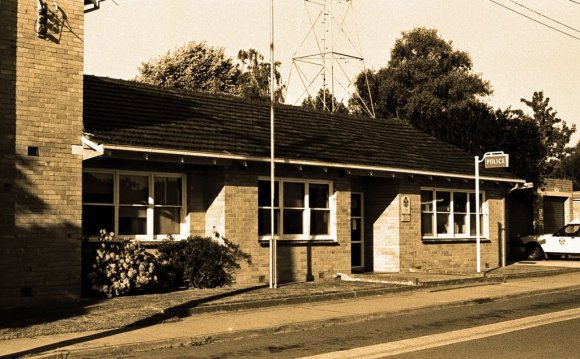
(273, 274)
(477, 221)
(503, 239)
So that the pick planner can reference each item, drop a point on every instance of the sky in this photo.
(515, 54)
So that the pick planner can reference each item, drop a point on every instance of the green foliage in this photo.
(554, 132)
(200, 67)
(195, 66)
(324, 100)
(425, 80)
(431, 85)
(569, 167)
(201, 262)
(254, 80)
(122, 268)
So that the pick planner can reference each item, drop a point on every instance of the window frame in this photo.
(451, 235)
(150, 206)
(307, 213)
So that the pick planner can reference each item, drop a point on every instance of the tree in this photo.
(554, 132)
(200, 67)
(254, 80)
(521, 138)
(431, 85)
(569, 166)
(195, 66)
(324, 100)
(426, 80)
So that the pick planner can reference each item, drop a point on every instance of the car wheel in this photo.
(534, 252)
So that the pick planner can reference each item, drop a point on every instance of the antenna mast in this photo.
(328, 56)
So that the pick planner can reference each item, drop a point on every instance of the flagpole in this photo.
(273, 266)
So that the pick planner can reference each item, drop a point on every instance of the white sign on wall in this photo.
(405, 209)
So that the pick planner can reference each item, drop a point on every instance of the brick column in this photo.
(40, 250)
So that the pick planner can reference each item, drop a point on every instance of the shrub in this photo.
(122, 267)
(200, 262)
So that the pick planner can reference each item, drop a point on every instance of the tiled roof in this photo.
(126, 113)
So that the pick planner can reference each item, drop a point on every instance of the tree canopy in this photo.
(569, 166)
(554, 132)
(326, 101)
(200, 67)
(432, 85)
(425, 80)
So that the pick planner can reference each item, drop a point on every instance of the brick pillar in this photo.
(40, 179)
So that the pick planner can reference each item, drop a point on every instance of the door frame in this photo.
(362, 232)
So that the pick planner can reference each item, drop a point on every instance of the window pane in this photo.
(293, 221)
(460, 225)
(96, 218)
(132, 220)
(443, 202)
(355, 254)
(98, 188)
(134, 189)
(318, 195)
(168, 191)
(355, 230)
(442, 223)
(460, 202)
(167, 221)
(427, 224)
(293, 194)
(426, 201)
(319, 222)
(264, 193)
(473, 224)
(355, 205)
(264, 221)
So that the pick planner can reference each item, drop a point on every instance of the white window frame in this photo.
(452, 235)
(305, 235)
(183, 226)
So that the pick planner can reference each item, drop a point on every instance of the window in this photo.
(450, 214)
(304, 211)
(137, 205)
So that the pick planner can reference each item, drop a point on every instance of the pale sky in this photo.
(516, 55)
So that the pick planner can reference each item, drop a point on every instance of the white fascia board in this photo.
(99, 148)
(307, 163)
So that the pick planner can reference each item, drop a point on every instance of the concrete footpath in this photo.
(203, 328)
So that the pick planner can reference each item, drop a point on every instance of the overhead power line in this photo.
(575, 2)
(544, 16)
(535, 20)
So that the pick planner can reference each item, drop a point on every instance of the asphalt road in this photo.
(424, 323)
(558, 340)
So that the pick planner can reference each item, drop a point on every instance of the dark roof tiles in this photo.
(119, 112)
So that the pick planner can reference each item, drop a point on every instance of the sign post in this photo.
(491, 160)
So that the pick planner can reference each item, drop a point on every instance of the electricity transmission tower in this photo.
(328, 56)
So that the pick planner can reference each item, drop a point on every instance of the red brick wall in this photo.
(40, 241)
(296, 262)
(449, 257)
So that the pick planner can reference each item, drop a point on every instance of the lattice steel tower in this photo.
(328, 55)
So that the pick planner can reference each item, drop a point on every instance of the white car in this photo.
(564, 241)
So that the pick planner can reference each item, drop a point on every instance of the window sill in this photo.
(453, 240)
(133, 239)
(299, 242)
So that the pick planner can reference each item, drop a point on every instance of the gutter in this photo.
(305, 163)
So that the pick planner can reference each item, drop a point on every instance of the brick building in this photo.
(84, 153)
(352, 194)
(41, 109)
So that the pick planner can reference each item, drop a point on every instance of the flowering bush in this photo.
(200, 262)
(122, 267)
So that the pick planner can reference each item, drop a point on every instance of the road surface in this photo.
(539, 339)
